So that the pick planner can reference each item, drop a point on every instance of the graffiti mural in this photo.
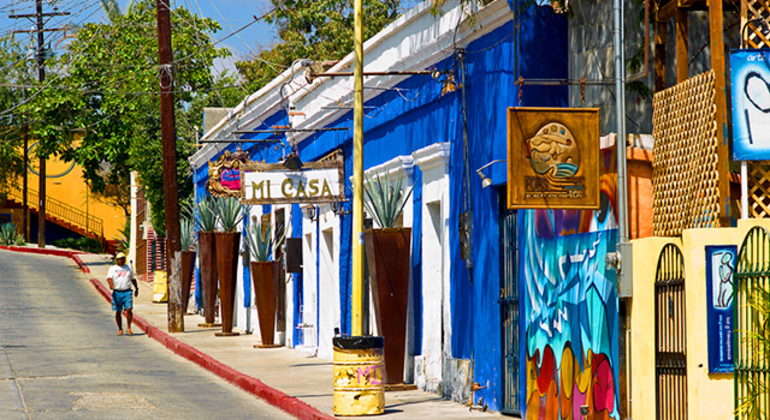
(571, 314)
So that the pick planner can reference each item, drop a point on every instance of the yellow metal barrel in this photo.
(359, 376)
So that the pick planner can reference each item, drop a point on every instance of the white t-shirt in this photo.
(121, 276)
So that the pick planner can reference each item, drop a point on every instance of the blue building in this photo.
(466, 323)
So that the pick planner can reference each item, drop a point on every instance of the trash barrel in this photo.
(359, 370)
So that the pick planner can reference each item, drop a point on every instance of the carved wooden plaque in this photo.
(553, 158)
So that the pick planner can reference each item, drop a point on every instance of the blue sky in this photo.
(231, 15)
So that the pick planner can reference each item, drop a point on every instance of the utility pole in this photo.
(357, 288)
(24, 186)
(40, 58)
(170, 188)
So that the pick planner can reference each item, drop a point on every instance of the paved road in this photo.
(60, 357)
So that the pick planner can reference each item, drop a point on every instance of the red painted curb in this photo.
(248, 383)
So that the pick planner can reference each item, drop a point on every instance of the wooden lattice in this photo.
(759, 189)
(685, 180)
(754, 12)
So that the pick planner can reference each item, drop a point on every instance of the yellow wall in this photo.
(64, 182)
(710, 396)
(642, 310)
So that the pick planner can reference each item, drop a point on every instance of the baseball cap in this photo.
(120, 255)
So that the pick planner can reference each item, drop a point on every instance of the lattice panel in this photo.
(759, 190)
(755, 36)
(685, 181)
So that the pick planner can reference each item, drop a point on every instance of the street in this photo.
(60, 357)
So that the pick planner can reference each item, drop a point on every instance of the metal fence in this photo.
(670, 336)
(752, 326)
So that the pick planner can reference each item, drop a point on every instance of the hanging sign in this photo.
(553, 158)
(720, 264)
(316, 182)
(750, 92)
(225, 174)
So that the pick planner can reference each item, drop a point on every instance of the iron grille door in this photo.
(509, 306)
(752, 330)
(670, 337)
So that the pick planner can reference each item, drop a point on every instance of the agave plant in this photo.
(203, 215)
(229, 213)
(124, 238)
(384, 201)
(261, 243)
(7, 234)
(186, 233)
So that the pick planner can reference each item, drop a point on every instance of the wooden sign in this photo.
(553, 158)
(272, 183)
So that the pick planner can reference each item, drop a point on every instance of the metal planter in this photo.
(387, 255)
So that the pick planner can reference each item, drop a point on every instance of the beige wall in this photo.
(710, 396)
(642, 325)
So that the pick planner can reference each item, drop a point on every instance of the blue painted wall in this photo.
(414, 116)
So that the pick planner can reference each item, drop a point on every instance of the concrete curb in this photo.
(248, 383)
(55, 252)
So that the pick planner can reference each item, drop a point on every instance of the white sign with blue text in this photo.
(750, 91)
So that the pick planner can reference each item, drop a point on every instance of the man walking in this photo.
(120, 277)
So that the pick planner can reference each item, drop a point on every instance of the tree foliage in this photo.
(314, 29)
(15, 70)
(106, 91)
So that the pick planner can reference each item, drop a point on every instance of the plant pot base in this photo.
(205, 325)
(267, 346)
(226, 334)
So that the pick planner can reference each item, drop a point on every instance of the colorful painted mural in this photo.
(571, 311)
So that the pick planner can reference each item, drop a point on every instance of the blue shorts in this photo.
(122, 300)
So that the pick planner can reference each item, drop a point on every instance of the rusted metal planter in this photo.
(264, 277)
(387, 255)
(188, 269)
(208, 261)
(227, 244)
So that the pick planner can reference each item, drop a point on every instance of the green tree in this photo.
(101, 102)
(314, 29)
(15, 71)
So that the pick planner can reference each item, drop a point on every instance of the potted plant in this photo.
(205, 218)
(264, 276)
(187, 240)
(229, 213)
(387, 255)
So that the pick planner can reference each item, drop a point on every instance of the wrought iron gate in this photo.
(670, 337)
(509, 307)
(752, 326)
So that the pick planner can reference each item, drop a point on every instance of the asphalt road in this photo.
(60, 357)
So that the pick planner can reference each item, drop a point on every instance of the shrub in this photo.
(80, 244)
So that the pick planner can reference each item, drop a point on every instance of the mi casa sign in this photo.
(316, 182)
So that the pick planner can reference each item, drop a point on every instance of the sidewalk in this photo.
(296, 383)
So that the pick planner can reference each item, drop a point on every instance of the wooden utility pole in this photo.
(40, 59)
(170, 188)
(24, 186)
(41, 167)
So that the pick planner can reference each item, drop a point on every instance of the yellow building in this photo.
(70, 206)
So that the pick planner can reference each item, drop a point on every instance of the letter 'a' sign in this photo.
(316, 182)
